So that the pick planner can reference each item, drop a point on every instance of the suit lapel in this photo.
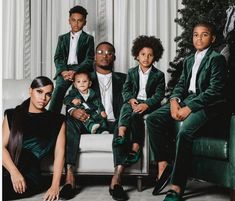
(67, 42)
(150, 80)
(136, 78)
(80, 42)
(189, 70)
(204, 60)
(95, 84)
(116, 90)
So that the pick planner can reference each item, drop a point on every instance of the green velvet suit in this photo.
(207, 103)
(95, 108)
(75, 127)
(85, 58)
(155, 90)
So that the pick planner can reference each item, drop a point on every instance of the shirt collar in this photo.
(104, 75)
(201, 54)
(146, 72)
(75, 35)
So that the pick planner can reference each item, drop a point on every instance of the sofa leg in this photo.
(139, 183)
(232, 194)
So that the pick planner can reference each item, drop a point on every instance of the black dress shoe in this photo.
(118, 193)
(67, 192)
(163, 181)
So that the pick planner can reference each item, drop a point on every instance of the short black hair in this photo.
(147, 41)
(82, 72)
(105, 43)
(206, 24)
(78, 9)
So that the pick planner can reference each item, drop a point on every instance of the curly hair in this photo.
(147, 41)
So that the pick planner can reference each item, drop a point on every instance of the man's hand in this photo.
(65, 74)
(140, 108)
(183, 113)
(103, 114)
(174, 105)
(133, 102)
(80, 114)
(71, 74)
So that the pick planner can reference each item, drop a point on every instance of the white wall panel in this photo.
(30, 40)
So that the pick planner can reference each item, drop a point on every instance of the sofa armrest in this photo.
(232, 143)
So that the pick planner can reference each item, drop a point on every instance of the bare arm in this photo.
(17, 178)
(53, 192)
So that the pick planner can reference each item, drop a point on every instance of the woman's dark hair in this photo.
(150, 42)
(16, 133)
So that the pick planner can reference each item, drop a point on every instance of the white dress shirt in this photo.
(85, 97)
(198, 59)
(74, 37)
(106, 92)
(143, 78)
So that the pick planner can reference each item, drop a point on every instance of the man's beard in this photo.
(107, 67)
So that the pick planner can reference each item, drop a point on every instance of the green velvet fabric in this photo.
(214, 159)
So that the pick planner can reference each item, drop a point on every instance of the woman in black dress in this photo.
(29, 133)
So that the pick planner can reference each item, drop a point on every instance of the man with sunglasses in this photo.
(108, 86)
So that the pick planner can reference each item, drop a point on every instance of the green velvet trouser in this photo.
(133, 122)
(95, 118)
(60, 90)
(74, 130)
(158, 124)
(135, 133)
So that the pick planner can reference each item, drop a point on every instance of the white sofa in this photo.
(95, 156)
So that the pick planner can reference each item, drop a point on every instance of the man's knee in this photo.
(153, 118)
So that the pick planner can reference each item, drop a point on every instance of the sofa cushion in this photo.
(211, 147)
(96, 143)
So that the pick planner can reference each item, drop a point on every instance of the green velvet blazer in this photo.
(210, 81)
(85, 53)
(155, 87)
(118, 80)
(93, 100)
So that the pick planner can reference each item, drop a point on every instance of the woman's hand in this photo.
(18, 182)
(52, 194)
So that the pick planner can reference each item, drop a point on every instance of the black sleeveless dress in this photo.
(40, 131)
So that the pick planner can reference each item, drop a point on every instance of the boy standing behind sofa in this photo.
(75, 50)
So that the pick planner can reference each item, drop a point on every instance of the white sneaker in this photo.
(94, 128)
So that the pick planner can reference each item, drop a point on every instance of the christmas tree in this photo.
(212, 11)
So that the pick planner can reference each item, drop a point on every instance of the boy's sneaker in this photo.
(94, 128)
